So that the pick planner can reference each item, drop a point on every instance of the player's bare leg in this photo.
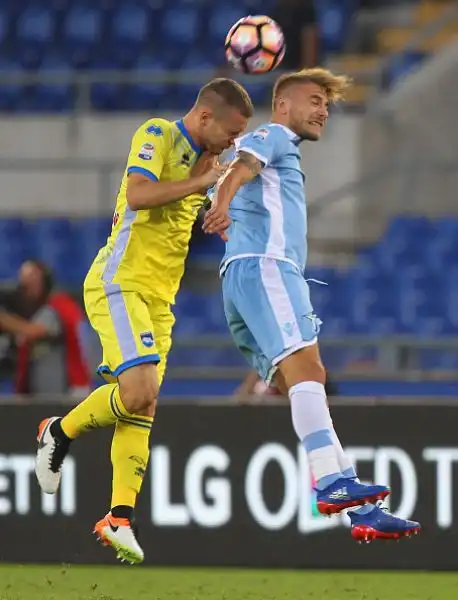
(304, 376)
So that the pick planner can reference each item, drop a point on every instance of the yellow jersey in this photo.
(147, 249)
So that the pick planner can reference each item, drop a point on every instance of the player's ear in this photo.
(205, 117)
(283, 105)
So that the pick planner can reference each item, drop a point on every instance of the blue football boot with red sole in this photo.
(346, 493)
(381, 524)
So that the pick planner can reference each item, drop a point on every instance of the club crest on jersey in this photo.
(261, 134)
(154, 129)
(146, 152)
(147, 339)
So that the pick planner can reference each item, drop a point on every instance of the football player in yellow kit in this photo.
(129, 291)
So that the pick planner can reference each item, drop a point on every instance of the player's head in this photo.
(221, 113)
(301, 100)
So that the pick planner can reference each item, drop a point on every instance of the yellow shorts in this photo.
(133, 329)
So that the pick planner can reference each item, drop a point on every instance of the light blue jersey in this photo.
(269, 213)
(266, 298)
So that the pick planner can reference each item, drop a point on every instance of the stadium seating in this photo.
(93, 35)
(397, 286)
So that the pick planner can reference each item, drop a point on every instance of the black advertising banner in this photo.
(231, 486)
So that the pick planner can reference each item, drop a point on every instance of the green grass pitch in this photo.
(133, 583)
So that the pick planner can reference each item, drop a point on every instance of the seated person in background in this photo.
(45, 327)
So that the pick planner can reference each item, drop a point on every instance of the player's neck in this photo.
(191, 127)
(281, 121)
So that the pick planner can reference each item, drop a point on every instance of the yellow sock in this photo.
(129, 456)
(98, 410)
(130, 446)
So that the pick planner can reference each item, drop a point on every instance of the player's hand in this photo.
(211, 176)
(217, 220)
(206, 161)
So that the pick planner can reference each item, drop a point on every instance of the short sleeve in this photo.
(149, 149)
(266, 144)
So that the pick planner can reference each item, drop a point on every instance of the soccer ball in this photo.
(255, 45)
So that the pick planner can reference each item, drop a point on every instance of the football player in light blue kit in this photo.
(259, 208)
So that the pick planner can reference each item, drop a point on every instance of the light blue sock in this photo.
(311, 419)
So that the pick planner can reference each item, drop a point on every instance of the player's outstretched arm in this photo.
(142, 193)
(242, 169)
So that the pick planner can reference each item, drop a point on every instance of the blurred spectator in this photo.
(253, 390)
(45, 335)
(298, 20)
(24, 301)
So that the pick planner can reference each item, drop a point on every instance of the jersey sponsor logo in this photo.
(115, 219)
(146, 152)
(147, 339)
(185, 160)
(261, 134)
(155, 130)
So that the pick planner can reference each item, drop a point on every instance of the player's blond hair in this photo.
(334, 86)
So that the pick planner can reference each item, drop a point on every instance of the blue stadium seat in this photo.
(145, 96)
(47, 231)
(261, 7)
(82, 32)
(209, 249)
(185, 93)
(53, 242)
(443, 249)
(35, 27)
(447, 226)
(334, 326)
(14, 247)
(130, 34)
(406, 228)
(4, 26)
(105, 96)
(222, 18)
(89, 236)
(55, 97)
(10, 93)
(130, 25)
(258, 88)
(214, 317)
(432, 326)
(333, 18)
(179, 29)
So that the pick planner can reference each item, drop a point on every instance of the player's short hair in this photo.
(222, 92)
(334, 86)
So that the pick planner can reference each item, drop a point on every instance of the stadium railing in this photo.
(396, 357)
(395, 360)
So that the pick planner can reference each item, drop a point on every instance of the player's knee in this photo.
(139, 390)
(140, 399)
(303, 365)
(317, 371)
